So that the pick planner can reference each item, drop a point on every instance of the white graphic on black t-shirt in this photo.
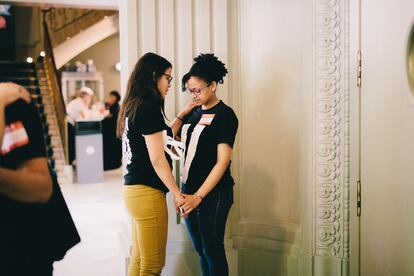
(203, 131)
(192, 147)
(173, 147)
(125, 142)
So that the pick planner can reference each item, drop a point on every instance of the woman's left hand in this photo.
(189, 204)
(187, 109)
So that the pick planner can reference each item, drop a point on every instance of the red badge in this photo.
(206, 119)
(15, 136)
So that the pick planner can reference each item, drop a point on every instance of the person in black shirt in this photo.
(111, 144)
(144, 135)
(112, 105)
(209, 133)
(25, 185)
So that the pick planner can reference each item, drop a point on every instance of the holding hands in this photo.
(178, 200)
(189, 203)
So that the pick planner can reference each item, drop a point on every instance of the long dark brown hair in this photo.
(141, 84)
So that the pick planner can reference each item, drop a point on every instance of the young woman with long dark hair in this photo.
(149, 177)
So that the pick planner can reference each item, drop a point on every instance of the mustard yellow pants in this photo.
(148, 208)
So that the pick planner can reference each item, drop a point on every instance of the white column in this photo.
(165, 46)
(128, 38)
(219, 41)
(184, 52)
(147, 22)
(202, 24)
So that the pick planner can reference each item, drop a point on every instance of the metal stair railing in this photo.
(54, 85)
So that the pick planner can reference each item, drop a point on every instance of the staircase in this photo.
(71, 31)
(32, 77)
(50, 110)
(42, 81)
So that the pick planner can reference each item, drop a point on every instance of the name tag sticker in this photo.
(15, 136)
(206, 119)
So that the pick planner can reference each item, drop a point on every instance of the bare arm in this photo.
(175, 125)
(223, 160)
(178, 121)
(30, 183)
(155, 145)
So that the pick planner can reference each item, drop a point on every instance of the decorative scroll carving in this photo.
(331, 132)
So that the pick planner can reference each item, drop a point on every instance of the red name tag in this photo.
(206, 119)
(15, 136)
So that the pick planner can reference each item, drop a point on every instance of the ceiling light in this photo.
(118, 66)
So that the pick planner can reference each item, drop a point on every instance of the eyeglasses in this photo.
(169, 77)
(197, 91)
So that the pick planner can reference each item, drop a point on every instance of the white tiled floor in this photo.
(103, 223)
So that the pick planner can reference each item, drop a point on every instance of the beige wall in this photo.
(272, 71)
(387, 135)
(105, 55)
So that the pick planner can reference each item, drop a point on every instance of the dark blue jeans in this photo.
(206, 226)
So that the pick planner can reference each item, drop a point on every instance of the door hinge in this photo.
(359, 198)
(359, 69)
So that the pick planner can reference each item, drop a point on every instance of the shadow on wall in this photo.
(266, 244)
(269, 175)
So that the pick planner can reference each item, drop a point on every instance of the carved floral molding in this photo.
(331, 130)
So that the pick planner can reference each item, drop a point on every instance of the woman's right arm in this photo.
(178, 121)
(155, 145)
(31, 182)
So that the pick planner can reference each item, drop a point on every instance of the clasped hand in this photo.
(186, 204)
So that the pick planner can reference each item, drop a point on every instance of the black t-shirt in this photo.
(22, 140)
(113, 109)
(202, 132)
(148, 120)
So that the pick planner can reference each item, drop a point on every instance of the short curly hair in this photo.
(206, 67)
